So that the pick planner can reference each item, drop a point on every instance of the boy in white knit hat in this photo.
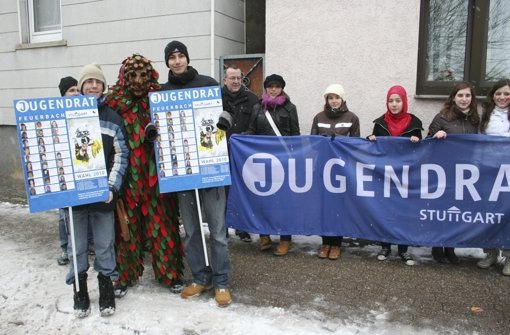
(99, 215)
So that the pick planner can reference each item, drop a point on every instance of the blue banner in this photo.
(453, 192)
(191, 152)
(61, 152)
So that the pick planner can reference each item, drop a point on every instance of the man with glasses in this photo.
(238, 104)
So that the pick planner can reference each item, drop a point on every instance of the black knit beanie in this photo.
(66, 83)
(274, 78)
(175, 46)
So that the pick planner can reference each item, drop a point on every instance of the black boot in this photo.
(438, 255)
(450, 254)
(81, 298)
(106, 295)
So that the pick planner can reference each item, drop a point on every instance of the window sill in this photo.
(430, 97)
(24, 46)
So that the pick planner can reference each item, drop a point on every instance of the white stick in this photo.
(197, 196)
(73, 243)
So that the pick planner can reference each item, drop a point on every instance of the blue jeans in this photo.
(103, 229)
(63, 230)
(213, 201)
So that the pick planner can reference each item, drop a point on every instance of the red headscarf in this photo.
(397, 123)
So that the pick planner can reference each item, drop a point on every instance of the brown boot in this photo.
(324, 251)
(335, 252)
(282, 249)
(265, 243)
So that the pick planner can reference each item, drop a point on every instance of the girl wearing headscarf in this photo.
(397, 122)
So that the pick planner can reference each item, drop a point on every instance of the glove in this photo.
(225, 121)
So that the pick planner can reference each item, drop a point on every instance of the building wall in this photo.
(365, 45)
(106, 32)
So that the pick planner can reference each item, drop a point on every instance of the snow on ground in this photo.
(35, 300)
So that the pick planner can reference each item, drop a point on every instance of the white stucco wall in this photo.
(106, 32)
(365, 45)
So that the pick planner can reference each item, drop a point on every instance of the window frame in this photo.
(474, 57)
(27, 23)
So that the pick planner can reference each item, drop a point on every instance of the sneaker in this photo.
(506, 268)
(244, 236)
(383, 254)
(324, 251)
(265, 243)
(177, 286)
(282, 249)
(63, 259)
(490, 260)
(406, 257)
(119, 290)
(194, 290)
(335, 252)
(222, 297)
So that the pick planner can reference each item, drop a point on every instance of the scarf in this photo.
(269, 102)
(184, 78)
(397, 123)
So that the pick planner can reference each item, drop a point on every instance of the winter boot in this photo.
(450, 254)
(106, 295)
(81, 298)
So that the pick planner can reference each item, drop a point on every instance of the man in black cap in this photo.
(181, 76)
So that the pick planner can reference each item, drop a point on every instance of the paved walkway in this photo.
(452, 299)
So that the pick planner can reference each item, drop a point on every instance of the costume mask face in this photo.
(137, 75)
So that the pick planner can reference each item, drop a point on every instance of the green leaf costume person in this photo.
(153, 221)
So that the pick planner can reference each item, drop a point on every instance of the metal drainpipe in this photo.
(212, 39)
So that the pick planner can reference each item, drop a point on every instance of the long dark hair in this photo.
(449, 106)
(489, 104)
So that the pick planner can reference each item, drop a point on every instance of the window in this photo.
(40, 21)
(463, 40)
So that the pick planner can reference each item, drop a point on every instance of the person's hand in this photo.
(440, 134)
(372, 137)
(110, 197)
(414, 139)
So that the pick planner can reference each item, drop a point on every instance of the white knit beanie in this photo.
(92, 71)
(335, 89)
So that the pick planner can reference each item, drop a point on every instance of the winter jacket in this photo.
(189, 79)
(285, 117)
(460, 124)
(240, 105)
(116, 153)
(344, 123)
(413, 129)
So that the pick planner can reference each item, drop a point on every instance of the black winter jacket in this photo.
(460, 124)
(285, 117)
(414, 129)
(189, 79)
(240, 106)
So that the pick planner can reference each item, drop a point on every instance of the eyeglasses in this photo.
(235, 78)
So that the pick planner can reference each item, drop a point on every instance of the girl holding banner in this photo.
(495, 121)
(274, 115)
(459, 115)
(397, 122)
(334, 120)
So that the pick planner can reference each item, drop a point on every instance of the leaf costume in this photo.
(153, 220)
